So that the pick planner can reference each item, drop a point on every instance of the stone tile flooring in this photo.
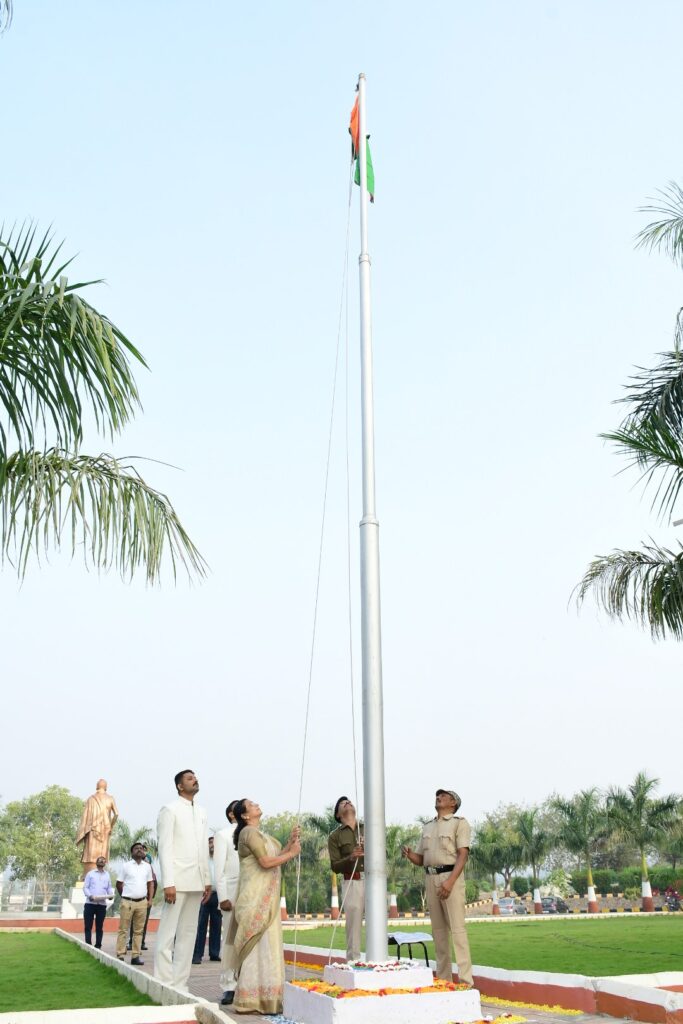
(204, 982)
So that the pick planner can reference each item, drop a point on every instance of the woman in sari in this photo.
(258, 957)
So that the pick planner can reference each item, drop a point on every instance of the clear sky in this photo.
(196, 157)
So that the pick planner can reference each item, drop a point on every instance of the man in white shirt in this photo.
(227, 867)
(136, 888)
(183, 835)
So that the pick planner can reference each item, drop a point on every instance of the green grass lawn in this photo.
(44, 972)
(622, 946)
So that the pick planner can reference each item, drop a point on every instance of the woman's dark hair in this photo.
(238, 810)
(230, 809)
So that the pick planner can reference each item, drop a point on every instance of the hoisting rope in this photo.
(343, 318)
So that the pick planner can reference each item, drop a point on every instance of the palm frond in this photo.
(666, 232)
(657, 391)
(57, 353)
(636, 816)
(99, 506)
(653, 449)
(5, 15)
(642, 586)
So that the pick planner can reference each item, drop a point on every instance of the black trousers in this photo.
(209, 914)
(94, 912)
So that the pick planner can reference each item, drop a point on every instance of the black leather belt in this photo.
(440, 869)
(134, 899)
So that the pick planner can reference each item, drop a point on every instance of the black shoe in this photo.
(143, 947)
(227, 998)
(120, 957)
(195, 961)
(129, 947)
(137, 962)
(97, 947)
(215, 958)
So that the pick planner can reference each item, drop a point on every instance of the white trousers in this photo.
(228, 977)
(175, 939)
(353, 895)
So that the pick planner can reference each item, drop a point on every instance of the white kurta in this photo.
(227, 864)
(183, 835)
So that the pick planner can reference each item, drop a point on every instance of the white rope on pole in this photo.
(344, 293)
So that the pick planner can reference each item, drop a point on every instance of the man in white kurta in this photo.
(227, 867)
(183, 835)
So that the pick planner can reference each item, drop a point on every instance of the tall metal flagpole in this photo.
(371, 635)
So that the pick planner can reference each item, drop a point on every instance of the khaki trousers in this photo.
(135, 913)
(448, 921)
(353, 897)
(175, 939)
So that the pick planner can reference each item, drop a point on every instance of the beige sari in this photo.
(258, 956)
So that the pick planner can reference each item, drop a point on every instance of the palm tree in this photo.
(400, 875)
(646, 585)
(535, 842)
(323, 824)
(496, 851)
(582, 826)
(670, 846)
(60, 361)
(641, 819)
(124, 836)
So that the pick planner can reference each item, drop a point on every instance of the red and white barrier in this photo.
(648, 903)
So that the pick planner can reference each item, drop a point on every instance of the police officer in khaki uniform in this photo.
(443, 851)
(346, 851)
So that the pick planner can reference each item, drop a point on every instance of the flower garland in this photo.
(380, 967)
(493, 1000)
(323, 988)
(305, 965)
(563, 1010)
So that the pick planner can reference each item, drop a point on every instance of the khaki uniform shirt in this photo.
(441, 840)
(341, 843)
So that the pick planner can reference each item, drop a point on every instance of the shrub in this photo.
(580, 882)
(632, 892)
(629, 878)
(602, 879)
(471, 890)
(662, 876)
(519, 885)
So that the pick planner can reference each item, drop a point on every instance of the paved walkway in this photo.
(204, 982)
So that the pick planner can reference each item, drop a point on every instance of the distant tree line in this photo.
(611, 840)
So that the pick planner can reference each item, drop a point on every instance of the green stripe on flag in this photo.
(371, 172)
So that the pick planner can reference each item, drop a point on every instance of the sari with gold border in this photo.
(258, 956)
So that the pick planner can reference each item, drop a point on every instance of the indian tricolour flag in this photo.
(354, 132)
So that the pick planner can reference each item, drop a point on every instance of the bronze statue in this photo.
(98, 819)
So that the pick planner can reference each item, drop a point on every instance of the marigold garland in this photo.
(493, 1000)
(306, 966)
(324, 988)
(563, 1010)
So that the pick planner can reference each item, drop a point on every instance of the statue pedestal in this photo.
(68, 910)
(73, 907)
